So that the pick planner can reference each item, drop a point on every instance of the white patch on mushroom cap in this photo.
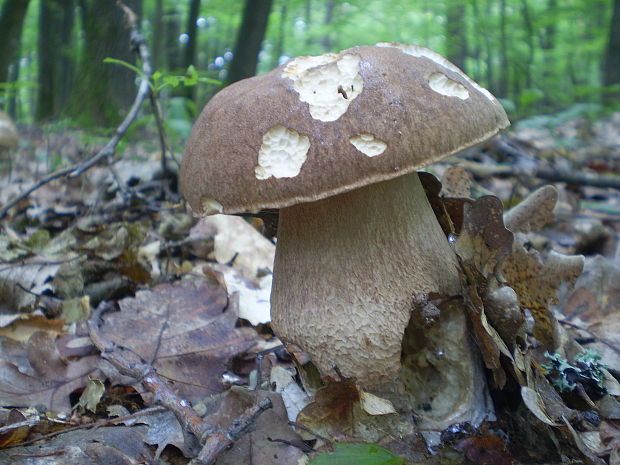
(326, 83)
(300, 64)
(417, 51)
(368, 144)
(443, 85)
(282, 153)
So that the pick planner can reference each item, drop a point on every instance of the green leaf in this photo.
(135, 69)
(172, 81)
(357, 454)
(207, 80)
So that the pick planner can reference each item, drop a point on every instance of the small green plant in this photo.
(160, 80)
(586, 370)
(357, 453)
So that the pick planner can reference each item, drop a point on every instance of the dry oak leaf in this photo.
(480, 246)
(483, 240)
(340, 410)
(595, 306)
(533, 212)
(536, 281)
(44, 378)
(16, 434)
(111, 445)
(456, 182)
(269, 441)
(186, 330)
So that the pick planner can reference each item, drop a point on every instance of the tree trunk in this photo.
(611, 62)
(249, 39)
(329, 17)
(308, 19)
(56, 65)
(158, 34)
(191, 29)
(490, 56)
(172, 25)
(548, 38)
(189, 55)
(504, 72)
(103, 91)
(529, 33)
(279, 47)
(11, 24)
(476, 48)
(456, 37)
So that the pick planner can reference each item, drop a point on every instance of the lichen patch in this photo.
(282, 153)
(328, 84)
(443, 85)
(368, 144)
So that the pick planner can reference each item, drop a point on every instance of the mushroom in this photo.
(334, 142)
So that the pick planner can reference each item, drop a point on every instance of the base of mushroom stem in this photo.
(441, 380)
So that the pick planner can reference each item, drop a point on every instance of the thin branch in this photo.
(214, 439)
(105, 422)
(222, 440)
(483, 170)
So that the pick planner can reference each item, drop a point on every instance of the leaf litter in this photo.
(191, 298)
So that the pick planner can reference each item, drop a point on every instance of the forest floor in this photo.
(116, 304)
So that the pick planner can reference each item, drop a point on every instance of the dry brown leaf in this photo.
(16, 434)
(533, 212)
(456, 182)
(163, 429)
(25, 325)
(44, 378)
(238, 242)
(483, 240)
(583, 447)
(262, 444)
(185, 330)
(332, 411)
(337, 412)
(112, 445)
(480, 246)
(20, 284)
(536, 281)
(487, 450)
(595, 306)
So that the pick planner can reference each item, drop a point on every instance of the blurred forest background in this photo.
(537, 56)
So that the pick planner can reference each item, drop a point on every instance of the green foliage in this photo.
(162, 80)
(550, 59)
(12, 89)
(357, 454)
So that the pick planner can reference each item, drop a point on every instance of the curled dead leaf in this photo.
(533, 212)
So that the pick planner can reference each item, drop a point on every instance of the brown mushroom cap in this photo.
(319, 126)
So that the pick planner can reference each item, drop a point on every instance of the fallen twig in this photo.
(99, 423)
(483, 170)
(213, 439)
(219, 441)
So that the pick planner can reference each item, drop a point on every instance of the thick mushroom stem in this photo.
(346, 270)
